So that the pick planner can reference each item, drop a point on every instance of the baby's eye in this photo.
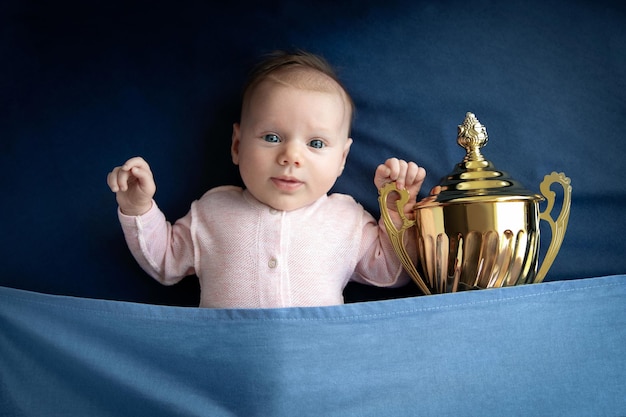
(270, 137)
(317, 144)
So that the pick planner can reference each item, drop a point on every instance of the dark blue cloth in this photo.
(86, 85)
(553, 349)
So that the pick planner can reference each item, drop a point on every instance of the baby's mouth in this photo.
(286, 183)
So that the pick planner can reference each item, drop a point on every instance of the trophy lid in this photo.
(476, 179)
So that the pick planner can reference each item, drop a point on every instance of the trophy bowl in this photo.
(478, 228)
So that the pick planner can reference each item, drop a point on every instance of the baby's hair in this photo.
(278, 66)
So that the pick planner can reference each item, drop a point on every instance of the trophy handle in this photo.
(557, 227)
(397, 236)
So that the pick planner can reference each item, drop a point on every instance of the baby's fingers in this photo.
(387, 172)
(414, 174)
(415, 178)
(398, 171)
(135, 170)
(117, 179)
(141, 174)
(136, 161)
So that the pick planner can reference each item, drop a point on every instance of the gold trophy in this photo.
(478, 228)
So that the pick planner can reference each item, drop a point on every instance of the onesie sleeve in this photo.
(378, 263)
(163, 250)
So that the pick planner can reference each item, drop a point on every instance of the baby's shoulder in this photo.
(339, 198)
(220, 195)
(340, 201)
(225, 189)
(346, 210)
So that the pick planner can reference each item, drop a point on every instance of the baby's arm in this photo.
(133, 185)
(163, 250)
(407, 175)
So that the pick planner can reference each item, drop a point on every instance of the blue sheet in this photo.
(548, 349)
(86, 85)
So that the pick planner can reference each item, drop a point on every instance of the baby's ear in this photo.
(344, 157)
(346, 149)
(234, 147)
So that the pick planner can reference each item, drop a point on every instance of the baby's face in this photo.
(291, 144)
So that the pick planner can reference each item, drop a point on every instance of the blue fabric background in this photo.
(85, 85)
(553, 349)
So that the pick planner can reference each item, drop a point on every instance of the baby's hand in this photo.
(133, 185)
(407, 175)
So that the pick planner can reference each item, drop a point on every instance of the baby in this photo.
(282, 240)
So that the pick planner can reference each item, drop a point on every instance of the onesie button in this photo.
(273, 211)
(272, 263)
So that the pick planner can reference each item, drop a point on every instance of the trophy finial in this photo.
(472, 136)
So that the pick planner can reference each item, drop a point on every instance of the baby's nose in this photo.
(290, 155)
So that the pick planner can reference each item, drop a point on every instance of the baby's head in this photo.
(293, 138)
(299, 69)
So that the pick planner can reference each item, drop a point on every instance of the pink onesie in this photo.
(248, 255)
